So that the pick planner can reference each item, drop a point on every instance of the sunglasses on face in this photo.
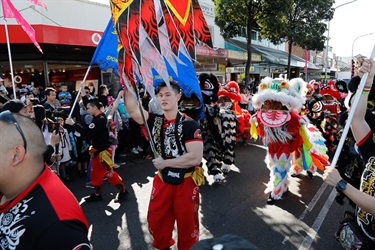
(8, 118)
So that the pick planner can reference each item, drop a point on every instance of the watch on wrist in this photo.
(341, 185)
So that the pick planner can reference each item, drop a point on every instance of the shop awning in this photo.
(56, 35)
(272, 56)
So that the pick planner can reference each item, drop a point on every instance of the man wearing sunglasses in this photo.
(16, 106)
(37, 211)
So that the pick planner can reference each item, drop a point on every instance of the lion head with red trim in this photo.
(277, 98)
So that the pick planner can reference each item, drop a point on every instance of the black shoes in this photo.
(82, 174)
(93, 197)
(271, 200)
(121, 196)
(310, 175)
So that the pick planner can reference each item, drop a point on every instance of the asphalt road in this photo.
(306, 217)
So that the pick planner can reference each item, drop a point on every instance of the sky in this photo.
(349, 22)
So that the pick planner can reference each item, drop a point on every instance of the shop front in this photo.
(65, 51)
(211, 61)
(67, 34)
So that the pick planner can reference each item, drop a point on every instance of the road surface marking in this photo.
(318, 222)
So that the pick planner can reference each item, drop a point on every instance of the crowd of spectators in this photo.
(50, 106)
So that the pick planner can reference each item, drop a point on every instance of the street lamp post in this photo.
(326, 57)
(356, 40)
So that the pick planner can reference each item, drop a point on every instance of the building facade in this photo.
(69, 33)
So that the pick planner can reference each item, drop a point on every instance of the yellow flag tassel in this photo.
(253, 131)
(105, 156)
(198, 176)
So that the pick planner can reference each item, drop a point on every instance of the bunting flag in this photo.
(158, 39)
(9, 11)
(37, 2)
(106, 55)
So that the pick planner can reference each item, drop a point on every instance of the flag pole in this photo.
(79, 91)
(152, 145)
(10, 59)
(351, 114)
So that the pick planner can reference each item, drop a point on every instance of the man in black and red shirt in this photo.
(101, 152)
(37, 211)
(175, 193)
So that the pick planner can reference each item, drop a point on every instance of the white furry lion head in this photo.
(291, 94)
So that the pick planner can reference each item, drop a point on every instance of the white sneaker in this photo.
(89, 185)
(139, 149)
(120, 163)
(116, 166)
(135, 151)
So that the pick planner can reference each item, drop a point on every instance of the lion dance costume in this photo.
(230, 96)
(218, 130)
(292, 143)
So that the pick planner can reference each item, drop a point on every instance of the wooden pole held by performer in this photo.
(351, 114)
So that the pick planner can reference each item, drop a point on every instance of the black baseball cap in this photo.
(13, 106)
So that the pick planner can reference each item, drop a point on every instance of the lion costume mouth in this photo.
(273, 118)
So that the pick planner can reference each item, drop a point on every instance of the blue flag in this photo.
(106, 55)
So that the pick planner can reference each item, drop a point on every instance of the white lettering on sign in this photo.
(208, 10)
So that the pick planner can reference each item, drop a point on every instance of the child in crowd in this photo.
(114, 141)
(64, 149)
(64, 96)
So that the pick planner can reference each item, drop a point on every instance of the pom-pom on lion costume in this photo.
(291, 142)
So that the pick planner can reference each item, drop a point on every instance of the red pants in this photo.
(100, 169)
(170, 203)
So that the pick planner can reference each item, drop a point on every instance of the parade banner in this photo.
(139, 26)
(105, 55)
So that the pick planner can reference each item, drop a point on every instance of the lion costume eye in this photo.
(284, 85)
(263, 86)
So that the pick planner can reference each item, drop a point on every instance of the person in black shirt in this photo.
(49, 105)
(175, 193)
(101, 152)
(102, 95)
(37, 211)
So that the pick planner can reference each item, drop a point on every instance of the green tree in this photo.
(233, 17)
(297, 22)
(303, 24)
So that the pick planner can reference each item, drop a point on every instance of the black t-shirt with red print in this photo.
(187, 130)
(44, 216)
